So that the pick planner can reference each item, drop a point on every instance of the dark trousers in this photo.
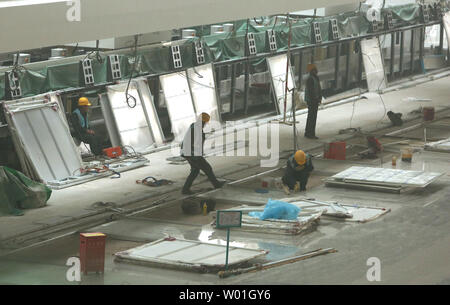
(291, 177)
(310, 129)
(94, 142)
(199, 163)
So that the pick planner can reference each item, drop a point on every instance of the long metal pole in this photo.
(288, 60)
(228, 248)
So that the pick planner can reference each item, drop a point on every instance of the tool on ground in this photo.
(395, 118)
(152, 181)
(113, 152)
(374, 147)
(407, 155)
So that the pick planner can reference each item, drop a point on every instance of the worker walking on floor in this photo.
(313, 98)
(81, 126)
(192, 151)
(299, 167)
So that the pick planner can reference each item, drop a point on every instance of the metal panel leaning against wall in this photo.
(42, 139)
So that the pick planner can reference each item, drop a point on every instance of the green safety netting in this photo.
(218, 47)
(18, 192)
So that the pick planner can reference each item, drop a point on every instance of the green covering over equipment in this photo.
(217, 48)
(19, 192)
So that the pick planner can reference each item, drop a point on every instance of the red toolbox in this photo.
(113, 152)
(92, 252)
(335, 150)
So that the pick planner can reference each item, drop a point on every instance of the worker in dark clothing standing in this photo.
(313, 98)
(299, 167)
(192, 151)
(80, 124)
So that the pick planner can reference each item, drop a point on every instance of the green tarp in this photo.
(219, 47)
(18, 192)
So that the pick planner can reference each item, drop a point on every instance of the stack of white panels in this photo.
(386, 176)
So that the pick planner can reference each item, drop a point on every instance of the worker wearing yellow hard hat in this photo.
(81, 126)
(192, 151)
(83, 101)
(313, 98)
(299, 167)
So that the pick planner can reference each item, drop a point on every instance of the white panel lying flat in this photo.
(386, 176)
(187, 254)
(303, 222)
(351, 213)
(45, 138)
(277, 67)
(443, 146)
(179, 102)
(133, 124)
(373, 64)
(201, 81)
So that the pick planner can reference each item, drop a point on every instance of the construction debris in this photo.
(439, 146)
(335, 210)
(305, 221)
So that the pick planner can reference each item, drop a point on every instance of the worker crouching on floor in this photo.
(192, 151)
(81, 126)
(299, 167)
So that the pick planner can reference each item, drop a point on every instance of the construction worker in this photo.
(80, 124)
(299, 167)
(313, 98)
(192, 151)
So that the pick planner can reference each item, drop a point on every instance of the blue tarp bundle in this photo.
(275, 209)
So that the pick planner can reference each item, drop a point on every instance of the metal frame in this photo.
(42, 134)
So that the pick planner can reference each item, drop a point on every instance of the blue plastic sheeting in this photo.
(275, 209)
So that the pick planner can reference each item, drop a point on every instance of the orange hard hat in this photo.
(300, 157)
(205, 117)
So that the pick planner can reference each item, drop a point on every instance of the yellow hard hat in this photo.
(310, 67)
(300, 157)
(83, 101)
(205, 117)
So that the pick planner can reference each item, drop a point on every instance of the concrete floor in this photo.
(412, 241)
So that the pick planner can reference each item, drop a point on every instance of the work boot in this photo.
(311, 137)
(286, 189)
(297, 187)
(220, 184)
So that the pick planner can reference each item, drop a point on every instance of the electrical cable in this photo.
(129, 96)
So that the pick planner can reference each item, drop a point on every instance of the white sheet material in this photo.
(387, 176)
(446, 21)
(373, 64)
(45, 137)
(277, 67)
(179, 102)
(133, 125)
(201, 81)
(188, 253)
(443, 145)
